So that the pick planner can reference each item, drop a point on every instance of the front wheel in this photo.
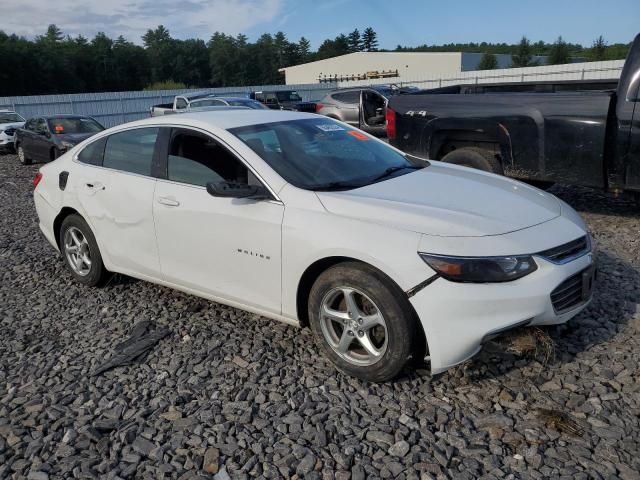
(23, 157)
(81, 252)
(362, 321)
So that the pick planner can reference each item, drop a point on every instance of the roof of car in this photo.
(225, 118)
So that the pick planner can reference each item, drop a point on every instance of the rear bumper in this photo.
(459, 317)
(46, 216)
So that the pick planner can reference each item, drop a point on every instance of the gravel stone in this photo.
(254, 398)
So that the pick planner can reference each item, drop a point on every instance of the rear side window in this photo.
(347, 97)
(93, 153)
(131, 151)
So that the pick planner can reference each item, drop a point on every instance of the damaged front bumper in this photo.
(459, 317)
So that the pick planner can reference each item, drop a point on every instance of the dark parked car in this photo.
(46, 138)
(567, 132)
(283, 100)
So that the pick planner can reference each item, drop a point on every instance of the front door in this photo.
(39, 145)
(372, 111)
(226, 247)
(116, 191)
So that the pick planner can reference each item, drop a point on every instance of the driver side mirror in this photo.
(237, 190)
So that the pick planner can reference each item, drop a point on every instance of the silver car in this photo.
(345, 105)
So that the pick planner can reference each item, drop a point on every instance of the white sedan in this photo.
(306, 220)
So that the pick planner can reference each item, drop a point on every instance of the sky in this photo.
(404, 22)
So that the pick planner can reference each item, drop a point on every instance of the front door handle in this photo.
(168, 201)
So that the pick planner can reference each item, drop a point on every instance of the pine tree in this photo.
(559, 53)
(523, 56)
(355, 42)
(598, 51)
(369, 40)
(488, 62)
(304, 47)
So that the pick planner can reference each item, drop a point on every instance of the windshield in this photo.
(248, 103)
(321, 154)
(74, 125)
(288, 97)
(10, 117)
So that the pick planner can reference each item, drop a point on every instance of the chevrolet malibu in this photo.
(305, 220)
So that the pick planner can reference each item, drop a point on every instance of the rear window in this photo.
(74, 125)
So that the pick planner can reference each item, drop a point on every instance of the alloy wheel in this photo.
(76, 249)
(353, 326)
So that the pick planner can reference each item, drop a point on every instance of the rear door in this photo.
(118, 197)
(348, 103)
(226, 247)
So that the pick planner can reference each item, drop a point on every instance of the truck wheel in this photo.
(23, 157)
(474, 157)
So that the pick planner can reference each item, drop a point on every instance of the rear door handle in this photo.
(95, 185)
(168, 201)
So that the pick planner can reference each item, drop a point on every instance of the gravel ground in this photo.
(231, 394)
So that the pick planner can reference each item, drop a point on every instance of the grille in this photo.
(10, 131)
(570, 250)
(573, 291)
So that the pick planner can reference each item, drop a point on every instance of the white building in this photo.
(394, 66)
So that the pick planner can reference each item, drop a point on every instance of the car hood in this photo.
(447, 201)
(74, 138)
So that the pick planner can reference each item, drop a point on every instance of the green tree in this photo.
(369, 40)
(304, 48)
(354, 41)
(559, 53)
(523, 56)
(488, 61)
(598, 50)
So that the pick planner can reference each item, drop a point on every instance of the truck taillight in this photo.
(391, 124)
(36, 179)
(319, 107)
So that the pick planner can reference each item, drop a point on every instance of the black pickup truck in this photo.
(585, 133)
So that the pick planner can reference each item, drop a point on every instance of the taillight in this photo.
(391, 124)
(36, 179)
(319, 107)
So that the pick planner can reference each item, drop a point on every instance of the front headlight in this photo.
(67, 145)
(481, 269)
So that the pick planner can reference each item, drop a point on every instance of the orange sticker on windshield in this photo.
(358, 135)
(58, 128)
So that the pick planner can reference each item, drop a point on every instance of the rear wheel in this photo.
(474, 157)
(362, 321)
(81, 252)
(24, 160)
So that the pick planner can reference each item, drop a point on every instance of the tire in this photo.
(91, 275)
(376, 296)
(474, 157)
(24, 160)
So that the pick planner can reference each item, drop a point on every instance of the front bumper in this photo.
(7, 142)
(458, 317)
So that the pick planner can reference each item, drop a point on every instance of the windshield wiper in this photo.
(333, 186)
(391, 170)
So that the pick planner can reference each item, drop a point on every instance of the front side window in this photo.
(74, 125)
(131, 151)
(41, 126)
(321, 154)
(197, 159)
(31, 125)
